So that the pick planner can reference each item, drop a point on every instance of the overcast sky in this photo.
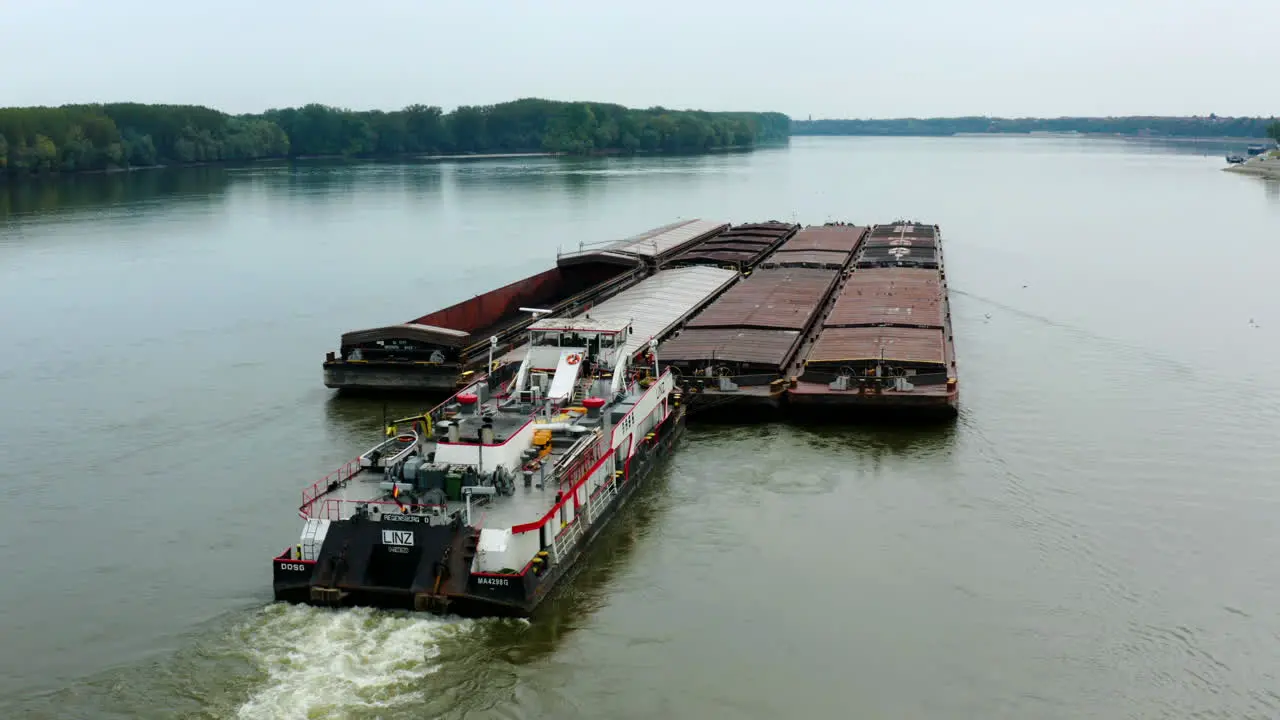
(857, 58)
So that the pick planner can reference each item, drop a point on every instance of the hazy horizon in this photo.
(831, 61)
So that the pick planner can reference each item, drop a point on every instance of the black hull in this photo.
(832, 408)
(714, 407)
(355, 570)
(397, 377)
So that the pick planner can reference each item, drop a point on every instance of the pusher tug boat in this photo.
(487, 503)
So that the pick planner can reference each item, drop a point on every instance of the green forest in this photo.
(1211, 126)
(79, 138)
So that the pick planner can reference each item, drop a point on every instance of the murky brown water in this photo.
(1095, 536)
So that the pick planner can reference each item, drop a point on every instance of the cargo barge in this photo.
(430, 353)
(740, 247)
(766, 316)
(488, 501)
(738, 353)
(885, 347)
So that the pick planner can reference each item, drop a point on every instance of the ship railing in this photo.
(930, 377)
(574, 465)
(495, 382)
(327, 484)
(568, 537)
(578, 470)
(342, 508)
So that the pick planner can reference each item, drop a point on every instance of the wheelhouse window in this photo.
(544, 338)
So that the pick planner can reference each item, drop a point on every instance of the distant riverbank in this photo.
(36, 141)
(1143, 127)
(1224, 139)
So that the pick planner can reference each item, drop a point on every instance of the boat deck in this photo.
(525, 505)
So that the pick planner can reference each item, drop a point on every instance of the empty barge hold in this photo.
(506, 485)
(739, 349)
(886, 343)
(431, 352)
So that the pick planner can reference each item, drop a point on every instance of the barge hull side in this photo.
(391, 376)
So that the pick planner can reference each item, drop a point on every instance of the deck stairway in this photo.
(313, 534)
(581, 391)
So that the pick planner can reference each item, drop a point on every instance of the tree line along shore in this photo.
(86, 138)
(1211, 126)
(36, 141)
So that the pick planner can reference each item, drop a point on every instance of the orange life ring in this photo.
(573, 359)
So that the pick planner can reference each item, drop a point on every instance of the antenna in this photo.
(535, 311)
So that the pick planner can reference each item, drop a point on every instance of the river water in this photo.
(1095, 536)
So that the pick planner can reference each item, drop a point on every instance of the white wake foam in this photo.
(323, 663)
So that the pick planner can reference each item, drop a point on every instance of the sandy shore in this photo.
(1267, 166)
